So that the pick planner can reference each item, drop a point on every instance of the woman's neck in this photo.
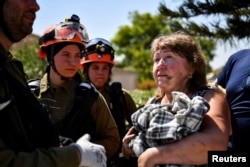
(167, 98)
(55, 79)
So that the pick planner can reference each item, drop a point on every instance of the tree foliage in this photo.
(27, 53)
(133, 42)
(230, 18)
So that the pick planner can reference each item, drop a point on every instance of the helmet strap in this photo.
(52, 64)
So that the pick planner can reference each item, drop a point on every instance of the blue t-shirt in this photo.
(235, 78)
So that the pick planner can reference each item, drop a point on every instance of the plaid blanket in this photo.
(159, 124)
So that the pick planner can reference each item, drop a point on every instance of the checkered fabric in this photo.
(159, 124)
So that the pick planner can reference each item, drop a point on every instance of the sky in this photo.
(103, 18)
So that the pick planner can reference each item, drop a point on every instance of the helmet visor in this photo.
(96, 41)
(101, 46)
(69, 30)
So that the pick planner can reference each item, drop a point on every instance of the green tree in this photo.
(133, 42)
(230, 18)
(27, 53)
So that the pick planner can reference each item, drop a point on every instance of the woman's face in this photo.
(170, 71)
(67, 60)
(99, 74)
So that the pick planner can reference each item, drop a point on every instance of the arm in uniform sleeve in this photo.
(52, 157)
(106, 127)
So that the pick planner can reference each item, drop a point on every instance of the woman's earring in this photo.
(190, 75)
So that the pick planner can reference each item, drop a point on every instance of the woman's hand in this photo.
(127, 152)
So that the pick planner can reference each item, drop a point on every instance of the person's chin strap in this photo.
(62, 77)
(52, 64)
(55, 70)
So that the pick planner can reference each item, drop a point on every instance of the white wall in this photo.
(127, 78)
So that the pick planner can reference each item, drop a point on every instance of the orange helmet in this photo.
(98, 50)
(69, 31)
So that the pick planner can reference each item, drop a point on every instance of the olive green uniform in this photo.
(130, 107)
(19, 142)
(60, 103)
(126, 109)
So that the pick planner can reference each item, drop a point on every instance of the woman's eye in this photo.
(65, 54)
(156, 60)
(106, 68)
(78, 56)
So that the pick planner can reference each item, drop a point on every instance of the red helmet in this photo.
(68, 31)
(98, 50)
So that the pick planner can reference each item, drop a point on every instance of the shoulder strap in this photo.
(79, 121)
(119, 106)
(117, 88)
(86, 91)
(202, 91)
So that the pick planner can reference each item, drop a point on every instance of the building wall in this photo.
(127, 78)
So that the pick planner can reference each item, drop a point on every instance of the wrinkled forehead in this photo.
(162, 51)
